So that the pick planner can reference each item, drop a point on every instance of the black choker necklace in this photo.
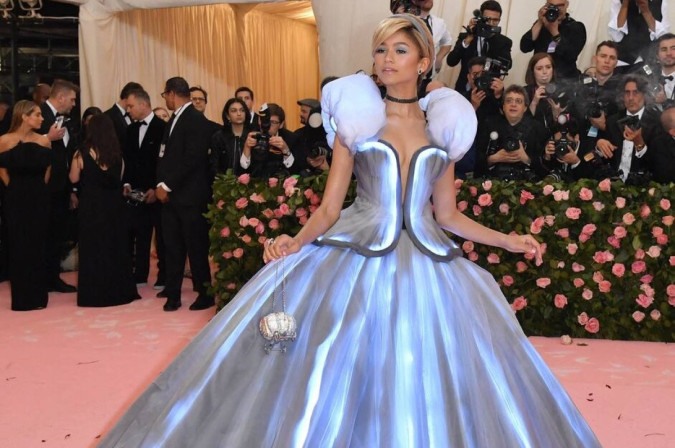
(401, 100)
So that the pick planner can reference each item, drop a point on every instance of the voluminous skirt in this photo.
(392, 351)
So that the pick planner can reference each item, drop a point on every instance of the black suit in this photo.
(119, 122)
(496, 47)
(59, 187)
(184, 168)
(661, 158)
(649, 123)
(141, 174)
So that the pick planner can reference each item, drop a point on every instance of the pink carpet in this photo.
(68, 373)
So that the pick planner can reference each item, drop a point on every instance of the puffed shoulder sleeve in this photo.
(451, 121)
(353, 108)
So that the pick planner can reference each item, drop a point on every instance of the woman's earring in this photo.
(419, 71)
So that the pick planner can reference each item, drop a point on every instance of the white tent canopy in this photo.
(344, 32)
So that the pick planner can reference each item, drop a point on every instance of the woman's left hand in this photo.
(524, 244)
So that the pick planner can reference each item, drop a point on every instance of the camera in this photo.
(492, 69)
(556, 93)
(562, 144)
(318, 149)
(136, 197)
(483, 27)
(552, 13)
(638, 178)
(262, 138)
(631, 121)
(405, 7)
(592, 103)
(512, 142)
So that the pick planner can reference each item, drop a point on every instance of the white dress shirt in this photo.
(617, 34)
(66, 135)
(628, 148)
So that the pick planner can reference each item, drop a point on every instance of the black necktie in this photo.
(427, 20)
(142, 123)
(668, 78)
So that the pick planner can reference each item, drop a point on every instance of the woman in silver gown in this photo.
(401, 342)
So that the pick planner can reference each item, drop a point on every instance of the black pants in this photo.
(139, 229)
(186, 231)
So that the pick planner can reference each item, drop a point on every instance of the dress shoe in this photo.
(161, 294)
(61, 286)
(172, 305)
(158, 285)
(202, 303)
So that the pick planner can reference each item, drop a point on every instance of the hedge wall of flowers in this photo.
(608, 270)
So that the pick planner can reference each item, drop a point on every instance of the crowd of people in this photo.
(134, 171)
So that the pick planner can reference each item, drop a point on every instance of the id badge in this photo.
(551, 47)
(161, 150)
(592, 132)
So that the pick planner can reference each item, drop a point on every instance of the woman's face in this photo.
(34, 118)
(162, 114)
(543, 71)
(397, 60)
(236, 113)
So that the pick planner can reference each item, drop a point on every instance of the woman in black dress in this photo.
(228, 142)
(25, 161)
(105, 277)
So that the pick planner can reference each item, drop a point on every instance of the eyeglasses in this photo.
(198, 100)
(164, 94)
(514, 101)
(275, 122)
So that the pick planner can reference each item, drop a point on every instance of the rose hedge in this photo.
(608, 268)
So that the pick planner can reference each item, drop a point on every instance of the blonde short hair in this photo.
(414, 27)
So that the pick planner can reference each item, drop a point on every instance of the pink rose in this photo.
(664, 204)
(278, 213)
(473, 191)
(525, 196)
(597, 205)
(253, 222)
(458, 183)
(473, 256)
(227, 255)
(667, 220)
(281, 199)
(273, 182)
(300, 212)
(487, 185)
(550, 220)
(651, 191)
(308, 193)
(656, 231)
(231, 286)
(563, 233)
(290, 191)
(507, 280)
(579, 282)
(537, 225)
(504, 208)
(662, 239)
(462, 205)
(638, 267)
(573, 213)
(484, 200)
(225, 232)
(519, 303)
(620, 232)
(644, 300)
(548, 189)
(647, 278)
(640, 254)
(654, 252)
(246, 239)
(238, 252)
(467, 246)
(543, 282)
(671, 301)
(260, 228)
(565, 195)
(628, 219)
(603, 257)
(598, 277)
(620, 202)
(303, 220)
(576, 267)
(585, 194)
(243, 221)
(648, 290)
(290, 182)
(477, 210)
(261, 240)
(257, 198)
(605, 185)
(645, 211)
(638, 316)
(593, 325)
(312, 209)
(587, 294)
(618, 269)
(655, 314)
(561, 264)
(241, 203)
(584, 237)
(244, 179)
(589, 229)
(671, 260)
(560, 301)
(285, 209)
(582, 319)
(273, 224)
(267, 213)
(493, 258)
(670, 290)
(558, 195)
(604, 286)
(522, 267)
(315, 199)
(572, 248)
(220, 204)
(614, 242)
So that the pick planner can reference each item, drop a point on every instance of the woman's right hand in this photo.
(280, 246)
(251, 140)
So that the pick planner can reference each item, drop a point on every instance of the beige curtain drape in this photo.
(218, 47)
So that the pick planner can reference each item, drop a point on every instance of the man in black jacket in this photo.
(118, 112)
(183, 188)
(470, 44)
(55, 111)
(662, 155)
(144, 137)
(557, 33)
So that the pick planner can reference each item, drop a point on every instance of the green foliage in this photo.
(608, 264)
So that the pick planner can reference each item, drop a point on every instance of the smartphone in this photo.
(59, 122)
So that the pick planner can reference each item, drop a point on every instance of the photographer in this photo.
(482, 38)
(547, 97)
(555, 32)
(563, 153)
(268, 153)
(634, 25)
(666, 57)
(313, 153)
(629, 133)
(662, 156)
(510, 146)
